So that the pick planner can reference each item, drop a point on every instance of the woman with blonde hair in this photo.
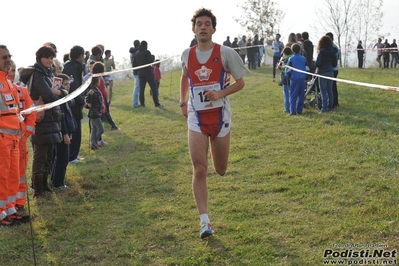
(291, 40)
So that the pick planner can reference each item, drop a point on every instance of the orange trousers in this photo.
(23, 163)
(9, 173)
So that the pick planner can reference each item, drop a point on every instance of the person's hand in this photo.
(212, 95)
(67, 139)
(183, 108)
(56, 91)
(91, 92)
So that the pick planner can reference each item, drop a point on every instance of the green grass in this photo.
(295, 185)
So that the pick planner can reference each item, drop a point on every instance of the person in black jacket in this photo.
(75, 68)
(227, 42)
(62, 149)
(234, 45)
(250, 53)
(326, 61)
(144, 57)
(309, 49)
(48, 130)
(386, 53)
(360, 54)
(94, 100)
(136, 91)
(394, 53)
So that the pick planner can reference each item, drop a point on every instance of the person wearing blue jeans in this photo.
(325, 62)
(335, 70)
(297, 80)
(326, 89)
(136, 90)
(277, 47)
(287, 53)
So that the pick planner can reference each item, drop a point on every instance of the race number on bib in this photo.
(203, 103)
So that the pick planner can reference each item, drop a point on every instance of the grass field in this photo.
(295, 186)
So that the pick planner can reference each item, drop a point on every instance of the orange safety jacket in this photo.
(27, 128)
(25, 102)
(9, 106)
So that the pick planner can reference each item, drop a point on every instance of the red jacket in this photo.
(104, 93)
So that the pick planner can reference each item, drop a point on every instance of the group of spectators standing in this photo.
(251, 49)
(294, 83)
(151, 74)
(385, 51)
(55, 133)
(298, 54)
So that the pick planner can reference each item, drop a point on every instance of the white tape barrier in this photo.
(370, 85)
(86, 84)
(65, 99)
(82, 88)
(133, 68)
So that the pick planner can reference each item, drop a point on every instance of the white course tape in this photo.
(82, 88)
(65, 99)
(377, 86)
(133, 68)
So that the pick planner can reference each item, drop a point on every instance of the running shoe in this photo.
(206, 230)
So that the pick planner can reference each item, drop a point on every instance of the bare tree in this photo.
(261, 17)
(368, 22)
(337, 16)
(351, 20)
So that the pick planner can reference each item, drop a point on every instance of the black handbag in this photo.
(284, 79)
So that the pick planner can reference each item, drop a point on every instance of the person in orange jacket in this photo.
(28, 129)
(9, 141)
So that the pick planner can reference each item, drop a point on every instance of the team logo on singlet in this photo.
(203, 73)
(1, 85)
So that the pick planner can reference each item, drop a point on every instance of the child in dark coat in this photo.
(68, 126)
(94, 100)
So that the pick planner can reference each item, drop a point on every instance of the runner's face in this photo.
(203, 29)
(5, 60)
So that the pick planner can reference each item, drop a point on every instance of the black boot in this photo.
(110, 121)
(37, 182)
(46, 187)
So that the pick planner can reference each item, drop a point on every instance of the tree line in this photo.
(349, 20)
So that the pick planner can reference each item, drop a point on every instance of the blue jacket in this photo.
(326, 60)
(299, 62)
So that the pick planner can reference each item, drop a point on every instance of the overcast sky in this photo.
(165, 25)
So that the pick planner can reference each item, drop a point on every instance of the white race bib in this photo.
(203, 103)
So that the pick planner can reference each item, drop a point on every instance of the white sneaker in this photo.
(77, 160)
(206, 230)
(102, 143)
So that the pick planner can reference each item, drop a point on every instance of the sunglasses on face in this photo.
(4, 57)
